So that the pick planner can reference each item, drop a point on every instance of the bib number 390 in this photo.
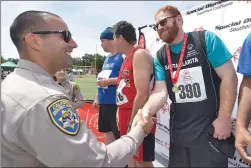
(189, 91)
(191, 86)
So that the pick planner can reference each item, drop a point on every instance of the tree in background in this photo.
(99, 62)
(90, 60)
(86, 60)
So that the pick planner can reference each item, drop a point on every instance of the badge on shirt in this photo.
(64, 116)
(76, 87)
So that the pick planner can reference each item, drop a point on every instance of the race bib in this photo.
(191, 86)
(120, 97)
(105, 74)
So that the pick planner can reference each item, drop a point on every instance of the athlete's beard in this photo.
(170, 33)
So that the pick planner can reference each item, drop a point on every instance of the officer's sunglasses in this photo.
(163, 22)
(66, 34)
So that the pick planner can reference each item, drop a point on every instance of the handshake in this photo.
(144, 120)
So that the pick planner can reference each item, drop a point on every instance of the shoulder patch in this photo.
(76, 87)
(64, 116)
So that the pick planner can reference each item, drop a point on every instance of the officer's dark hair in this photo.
(26, 22)
(126, 30)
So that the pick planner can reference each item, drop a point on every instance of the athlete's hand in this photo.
(242, 141)
(222, 127)
(102, 83)
(96, 104)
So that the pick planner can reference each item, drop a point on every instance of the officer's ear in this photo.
(33, 41)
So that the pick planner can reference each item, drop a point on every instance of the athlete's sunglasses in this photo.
(66, 34)
(163, 22)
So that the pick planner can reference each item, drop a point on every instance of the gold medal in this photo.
(175, 77)
(175, 88)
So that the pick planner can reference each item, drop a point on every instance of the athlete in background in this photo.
(106, 80)
(133, 88)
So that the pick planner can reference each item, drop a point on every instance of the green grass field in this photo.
(88, 86)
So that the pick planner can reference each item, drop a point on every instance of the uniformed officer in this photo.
(39, 125)
(72, 89)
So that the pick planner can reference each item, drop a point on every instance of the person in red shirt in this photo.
(134, 84)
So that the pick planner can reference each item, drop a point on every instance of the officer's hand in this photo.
(138, 120)
(96, 104)
(242, 141)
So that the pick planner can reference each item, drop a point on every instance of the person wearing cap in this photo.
(105, 99)
(72, 89)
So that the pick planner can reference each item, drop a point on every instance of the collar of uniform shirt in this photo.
(25, 64)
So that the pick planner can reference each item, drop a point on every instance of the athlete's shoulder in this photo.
(119, 56)
(160, 54)
(142, 54)
(209, 35)
(142, 51)
(248, 37)
(107, 58)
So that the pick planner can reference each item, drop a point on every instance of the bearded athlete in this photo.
(133, 88)
(196, 71)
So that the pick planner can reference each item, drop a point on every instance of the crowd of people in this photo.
(40, 125)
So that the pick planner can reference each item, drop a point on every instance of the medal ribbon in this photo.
(182, 53)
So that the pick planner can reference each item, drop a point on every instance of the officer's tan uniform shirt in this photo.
(40, 127)
(73, 92)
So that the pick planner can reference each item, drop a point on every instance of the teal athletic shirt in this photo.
(217, 54)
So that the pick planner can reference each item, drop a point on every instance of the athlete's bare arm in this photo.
(107, 82)
(112, 81)
(228, 88)
(243, 137)
(142, 70)
(244, 110)
(156, 100)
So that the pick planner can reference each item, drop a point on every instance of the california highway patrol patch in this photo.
(76, 87)
(64, 116)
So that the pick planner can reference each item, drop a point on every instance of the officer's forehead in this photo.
(55, 23)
